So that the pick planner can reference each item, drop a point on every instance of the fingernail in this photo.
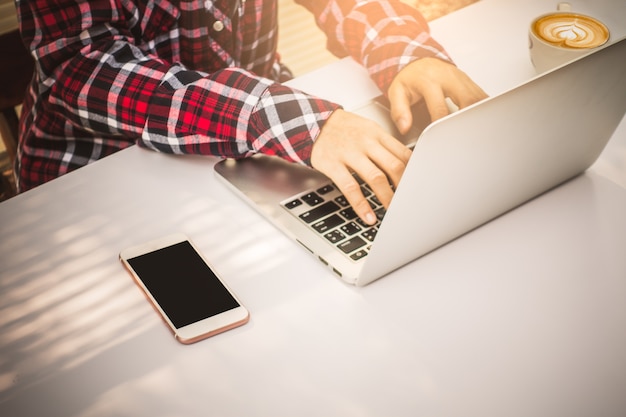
(370, 218)
(402, 124)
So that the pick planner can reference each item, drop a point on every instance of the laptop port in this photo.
(304, 246)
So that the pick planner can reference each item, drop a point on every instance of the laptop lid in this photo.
(467, 168)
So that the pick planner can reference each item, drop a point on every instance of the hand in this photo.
(432, 80)
(350, 143)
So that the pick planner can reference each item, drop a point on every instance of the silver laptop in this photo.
(465, 170)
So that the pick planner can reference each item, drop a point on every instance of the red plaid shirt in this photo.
(187, 76)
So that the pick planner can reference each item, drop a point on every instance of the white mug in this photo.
(562, 36)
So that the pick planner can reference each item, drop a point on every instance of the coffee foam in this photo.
(571, 30)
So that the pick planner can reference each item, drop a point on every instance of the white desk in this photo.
(525, 316)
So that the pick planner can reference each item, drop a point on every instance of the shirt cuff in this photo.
(286, 122)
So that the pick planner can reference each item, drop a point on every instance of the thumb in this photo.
(400, 108)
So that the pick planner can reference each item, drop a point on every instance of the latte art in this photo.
(571, 30)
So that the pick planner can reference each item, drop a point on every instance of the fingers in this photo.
(435, 101)
(431, 80)
(349, 143)
(351, 190)
(463, 91)
(382, 171)
(472, 94)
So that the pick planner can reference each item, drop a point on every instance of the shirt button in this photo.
(218, 26)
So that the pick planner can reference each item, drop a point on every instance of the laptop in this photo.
(465, 170)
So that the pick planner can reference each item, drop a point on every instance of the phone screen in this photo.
(182, 284)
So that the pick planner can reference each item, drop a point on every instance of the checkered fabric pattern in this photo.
(199, 77)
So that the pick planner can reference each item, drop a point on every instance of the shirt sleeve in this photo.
(101, 71)
(382, 35)
(209, 111)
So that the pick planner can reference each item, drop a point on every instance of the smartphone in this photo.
(190, 297)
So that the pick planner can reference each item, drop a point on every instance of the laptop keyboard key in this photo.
(380, 213)
(319, 212)
(293, 204)
(375, 200)
(312, 199)
(325, 189)
(348, 213)
(328, 223)
(331, 216)
(335, 236)
(358, 254)
(352, 244)
(363, 224)
(341, 200)
(350, 228)
(370, 234)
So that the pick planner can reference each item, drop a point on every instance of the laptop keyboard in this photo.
(326, 211)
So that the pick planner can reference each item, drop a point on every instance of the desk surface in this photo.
(524, 316)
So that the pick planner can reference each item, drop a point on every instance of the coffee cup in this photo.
(562, 36)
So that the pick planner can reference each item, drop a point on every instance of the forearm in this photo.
(229, 113)
(101, 75)
(232, 113)
(383, 35)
